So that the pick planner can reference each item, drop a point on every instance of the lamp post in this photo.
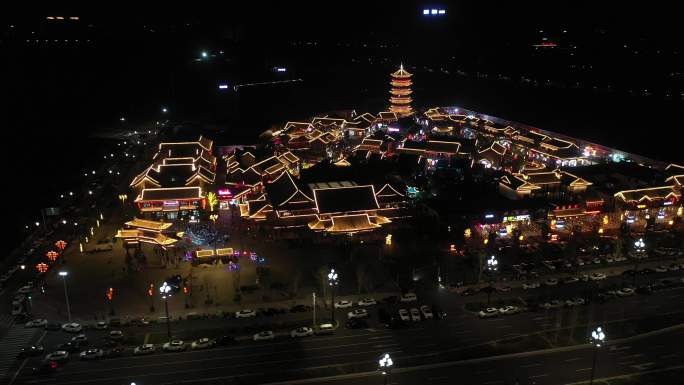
(332, 281)
(64, 274)
(385, 365)
(165, 291)
(640, 247)
(597, 338)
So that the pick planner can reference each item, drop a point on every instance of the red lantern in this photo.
(150, 291)
(61, 245)
(51, 255)
(110, 293)
(42, 267)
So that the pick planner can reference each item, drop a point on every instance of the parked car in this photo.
(101, 325)
(571, 280)
(36, 323)
(358, 313)
(427, 312)
(80, 339)
(58, 356)
(625, 292)
(415, 314)
(553, 304)
(301, 332)
(343, 304)
(144, 349)
(504, 288)
(408, 297)
(577, 301)
(404, 315)
(551, 282)
(174, 346)
(509, 310)
(530, 285)
(44, 368)
(489, 312)
(367, 302)
(91, 354)
(661, 269)
(469, 291)
(202, 343)
(264, 336)
(597, 277)
(328, 328)
(245, 313)
(116, 335)
(72, 327)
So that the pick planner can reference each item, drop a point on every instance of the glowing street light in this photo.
(597, 338)
(385, 365)
(64, 274)
(165, 292)
(333, 281)
(204, 54)
(164, 110)
(492, 264)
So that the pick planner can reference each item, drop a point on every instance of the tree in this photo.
(212, 200)
(321, 276)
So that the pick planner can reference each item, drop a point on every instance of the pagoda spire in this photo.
(400, 99)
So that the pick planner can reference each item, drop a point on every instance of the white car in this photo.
(504, 288)
(245, 313)
(510, 310)
(101, 325)
(36, 323)
(660, 269)
(25, 289)
(574, 302)
(426, 311)
(144, 349)
(91, 354)
(489, 312)
(415, 314)
(202, 343)
(367, 302)
(530, 285)
(597, 277)
(552, 304)
(404, 315)
(625, 292)
(358, 313)
(72, 327)
(81, 339)
(301, 332)
(571, 280)
(551, 282)
(58, 356)
(343, 304)
(174, 346)
(596, 261)
(408, 297)
(116, 335)
(264, 336)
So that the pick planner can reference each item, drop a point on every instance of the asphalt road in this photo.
(354, 351)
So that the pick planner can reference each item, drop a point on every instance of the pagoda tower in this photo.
(400, 101)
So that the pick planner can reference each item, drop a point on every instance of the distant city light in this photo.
(442, 11)
(434, 11)
(426, 12)
(281, 69)
(122, 119)
(164, 110)
(204, 54)
(223, 86)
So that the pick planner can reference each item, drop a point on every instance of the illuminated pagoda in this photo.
(400, 101)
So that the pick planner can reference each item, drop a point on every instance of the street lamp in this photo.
(385, 364)
(64, 274)
(164, 110)
(597, 338)
(492, 264)
(165, 291)
(333, 281)
(640, 247)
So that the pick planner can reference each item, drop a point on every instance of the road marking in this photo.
(573, 359)
(632, 356)
(540, 375)
(381, 337)
(583, 370)
(643, 366)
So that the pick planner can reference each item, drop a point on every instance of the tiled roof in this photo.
(345, 199)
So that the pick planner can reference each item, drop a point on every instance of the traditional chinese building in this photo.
(347, 210)
(400, 99)
(551, 184)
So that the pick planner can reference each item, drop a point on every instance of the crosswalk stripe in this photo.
(16, 338)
